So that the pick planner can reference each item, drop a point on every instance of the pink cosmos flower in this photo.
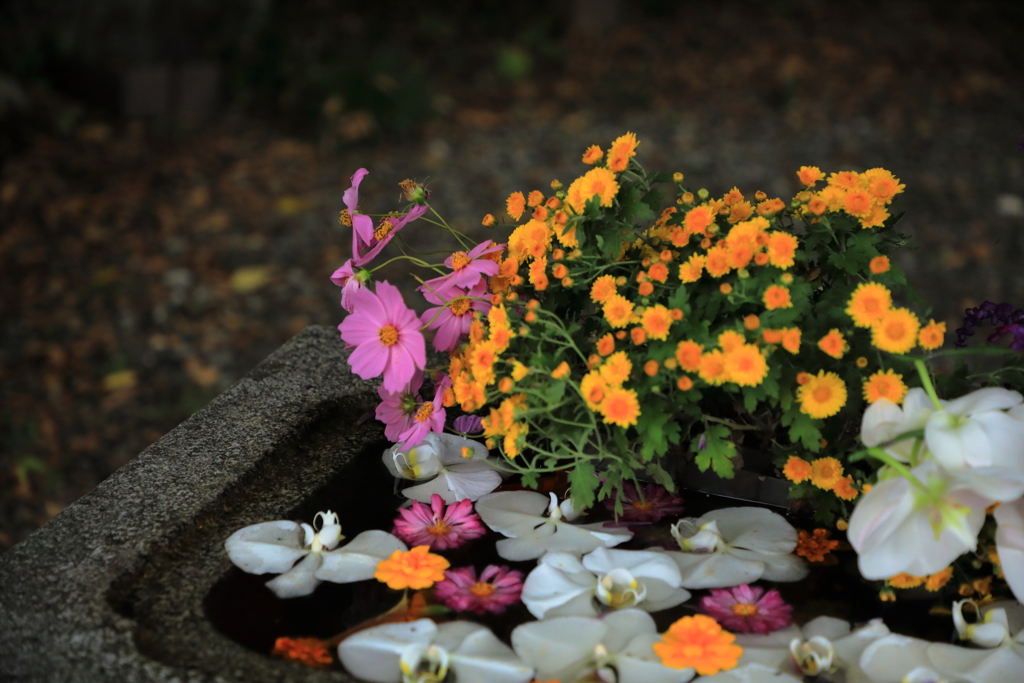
(656, 503)
(496, 589)
(350, 283)
(397, 410)
(438, 526)
(383, 234)
(746, 609)
(386, 337)
(362, 225)
(468, 269)
(429, 417)
(454, 316)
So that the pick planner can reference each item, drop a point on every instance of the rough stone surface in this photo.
(112, 589)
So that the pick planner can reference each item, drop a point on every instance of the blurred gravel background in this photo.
(153, 250)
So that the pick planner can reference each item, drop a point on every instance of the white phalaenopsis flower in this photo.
(458, 468)
(824, 645)
(920, 527)
(536, 524)
(617, 648)
(562, 585)
(751, 673)
(976, 431)
(884, 420)
(1010, 544)
(422, 651)
(274, 547)
(897, 658)
(732, 546)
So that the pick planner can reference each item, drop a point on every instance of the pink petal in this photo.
(369, 360)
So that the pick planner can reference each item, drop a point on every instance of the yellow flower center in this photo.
(388, 335)
(439, 527)
(482, 590)
(460, 260)
(643, 504)
(383, 230)
(460, 307)
(822, 394)
(345, 218)
(425, 411)
(744, 609)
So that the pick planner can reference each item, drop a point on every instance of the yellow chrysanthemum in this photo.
(516, 204)
(593, 388)
(746, 365)
(597, 182)
(826, 473)
(656, 321)
(822, 396)
(781, 249)
(692, 269)
(797, 470)
(620, 407)
(896, 331)
(618, 310)
(592, 155)
(712, 368)
(885, 384)
(868, 303)
(622, 149)
(603, 289)
(616, 369)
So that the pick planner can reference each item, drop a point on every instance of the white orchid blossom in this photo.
(274, 548)
(617, 648)
(732, 546)
(919, 525)
(457, 468)
(824, 646)
(1010, 544)
(536, 524)
(561, 585)
(884, 420)
(751, 673)
(423, 652)
(999, 659)
(975, 431)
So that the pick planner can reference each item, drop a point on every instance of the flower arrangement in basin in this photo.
(624, 325)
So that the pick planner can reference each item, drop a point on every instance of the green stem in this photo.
(926, 382)
(892, 462)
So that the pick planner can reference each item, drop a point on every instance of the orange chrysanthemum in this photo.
(858, 203)
(606, 344)
(875, 218)
(616, 369)
(833, 344)
(815, 546)
(516, 204)
(730, 340)
(848, 180)
(692, 269)
(777, 296)
(844, 489)
(481, 360)
(772, 336)
(826, 473)
(809, 175)
(535, 199)
(620, 407)
(618, 310)
(879, 265)
(882, 185)
(592, 155)
(932, 335)
(797, 470)
(622, 150)
(712, 368)
(781, 249)
(823, 396)
(698, 219)
(868, 303)
(699, 643)
(688, 354)
(740, 211)
(770, 207)
(717, 262)
(885, 384)
(833, 196)
(417, 569)
(311, 652)
(603, 289)
(791, 339)
(656, 322)
(746, 365)
(593, 387)
(896, 331)
(658, 272)
(938, 579)
(597, 182)
(904, 581)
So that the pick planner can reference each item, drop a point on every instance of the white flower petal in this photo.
(751, 673)
(267, 548)
(418, 463)
(826, 627)
(753, 529)
(882, 420)
(449, 448)
(770, 650)
(641, 564)
(559, 586)
(776, 567)
(358, 560)
(558, 648)
(299, 580)
(982, 400)
(848, 649)
(513, 513)
(992, 483)
(470, 481)
(1010, 544)
(889, 659)
(951, 440)
(638, 663)
(998, 665)
(608, 536)
(715, 570)
(373, 654)
(624, 625)
(482, 658)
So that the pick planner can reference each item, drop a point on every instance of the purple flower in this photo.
(468, 270)
(429, 417)
(745, 609)
(1006, 320)
(469, 424)
(496, 589)
(397, 410)
(439, 526)
(383, 234)
(655, 503)
(362, 225)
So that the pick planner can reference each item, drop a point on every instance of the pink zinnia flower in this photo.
(383, 234)
(745, 609)
(397, 410)
(496, 589)
(386, 336)
(429, 417)
(362, 225)
(468, 269)
(438, 526)
(656, 503)
(454, 316)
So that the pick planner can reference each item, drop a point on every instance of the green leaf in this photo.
(555, 391)
(583, 484)
(717, 453)
(803, 430)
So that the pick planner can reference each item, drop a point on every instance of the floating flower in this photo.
(895, 331)
(815, 546)
(417, 569)
(311, 652)
(698, 643)
(277, 547)
(976, 430)
(730, 546)
(458, 468)
(884, 420)
(561, 585)
(424, 651)
(747, 609)
(868, 303)
(438, 526)
(616, 647)
(428, 418)
(536, 524)
(822, 396)
(885, 384)
(397, 410)
(386, 336)
(496, 589)
(646, 505)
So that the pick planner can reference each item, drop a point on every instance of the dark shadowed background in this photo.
(171, 170)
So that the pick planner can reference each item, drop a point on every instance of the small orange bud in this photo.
(684, 383)
(676, 314)
(638, 335)
(553, 203)
(751, 322)
(620, 335)
(557, 255)
(488, 221)
(567, 282)
(646, 288)
(505, 385)
(665, 256)
(725, 288)
(532, 305)
(530, 317)
(540, 214)
(671, 363)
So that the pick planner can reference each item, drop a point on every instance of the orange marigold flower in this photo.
(834, 344)
(879, 265)
(540, 214)
(781, 249)
(658, 272)
(817, 205)
(791, 339)
(858, 203)
(739, 255)
(885, 384)
(698, 219)
(797, 470)
(620, 407)
(698, 642)
(638, 335)
(622, 150)
(733, 196)
(815, 546)
(603, 289)
(684, 383)
(809, 175)
(481, 361)
(515, 205)
(882, 184)
(746, 365)
(645, 289)
(656, 322)
(417, 569)
(561, 371)
(823, 396)
(536, 198)
(560, 271)
(688, 353)
(844, 489)
(597, 182)
(848, 180)
(712, 368)
(896, 331)
(618, 310)
(651, 368)
(826, 473)
(311, 652)
(592, 155)
(606, 344)
(932, 335)
(868, 303)
(717, 262)
(751, 322)
(616, 369)
(777, 296)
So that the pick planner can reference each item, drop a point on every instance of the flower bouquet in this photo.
(625, 326)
